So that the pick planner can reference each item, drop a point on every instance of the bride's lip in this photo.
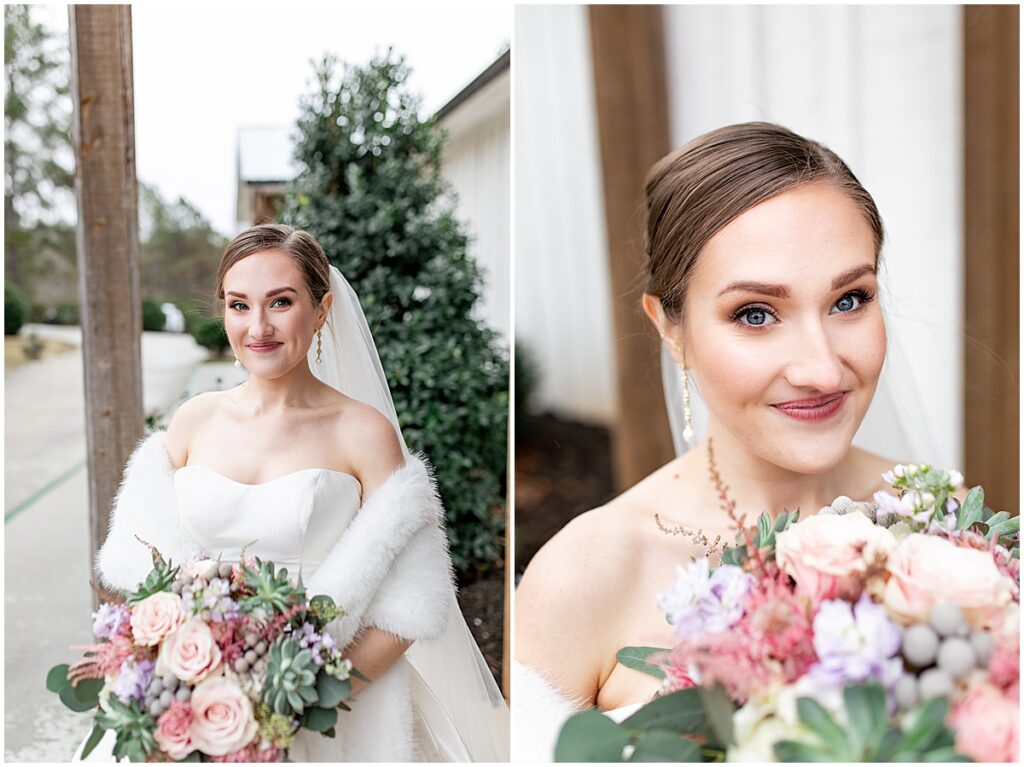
(264, 347)
(813, 409)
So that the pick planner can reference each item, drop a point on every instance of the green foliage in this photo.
(370, 190)
(764, 537)
(291, 678)
(527, 376)
(159, 579)
(273, 592)
(868, 737)
(67, 313)
(15, 310)
(152, 315)
(637, 657)
(134, 728)
(209, 333)
(673, 728)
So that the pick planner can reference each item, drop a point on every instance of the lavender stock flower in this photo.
(701, 602)
(108, 621)
(133, 679)
(855, 643)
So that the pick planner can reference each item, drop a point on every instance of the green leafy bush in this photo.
(152, 315)
(209, 333)
(15, 310)
(370, 190)
(67, 313)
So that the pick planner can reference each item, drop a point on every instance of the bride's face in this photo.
(782, 329)
(269, 315)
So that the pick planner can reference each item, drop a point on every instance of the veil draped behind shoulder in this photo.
(460, 706)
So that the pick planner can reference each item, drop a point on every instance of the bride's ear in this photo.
(669, 331)
(325, 305)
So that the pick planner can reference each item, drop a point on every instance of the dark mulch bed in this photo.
(562, 469)
(483, 605)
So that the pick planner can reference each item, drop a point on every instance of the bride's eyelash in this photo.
(747, 309)
(863, 296)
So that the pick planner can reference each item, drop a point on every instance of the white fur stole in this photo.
(390, 568)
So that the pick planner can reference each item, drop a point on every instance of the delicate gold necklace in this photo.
(698, 536)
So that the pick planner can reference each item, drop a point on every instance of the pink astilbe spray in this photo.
(101, 659)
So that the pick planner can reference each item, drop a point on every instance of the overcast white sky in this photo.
(201, 72)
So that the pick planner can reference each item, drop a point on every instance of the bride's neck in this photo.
(758, 485)
(273, 396)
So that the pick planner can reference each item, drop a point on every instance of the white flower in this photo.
(956, 479)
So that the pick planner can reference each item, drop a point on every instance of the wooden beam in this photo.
(992, 251)
(103, 127)
(627, 45)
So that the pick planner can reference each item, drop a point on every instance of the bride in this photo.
(762, 257)
(304, 464)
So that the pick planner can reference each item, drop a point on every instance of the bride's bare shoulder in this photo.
(186, 421)
(868, 467)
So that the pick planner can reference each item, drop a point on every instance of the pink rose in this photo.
(222, 717)
(155, 617)
(172, 730)
(927, 569)
(987, 724)
(190, 653)
(826, 553)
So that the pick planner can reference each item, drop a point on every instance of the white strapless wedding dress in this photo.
(294, 521)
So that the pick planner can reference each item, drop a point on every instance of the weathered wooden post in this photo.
(106, 190)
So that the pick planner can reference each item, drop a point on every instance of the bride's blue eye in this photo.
(286, 301)
(755, 316)
(235, 305)
(851, 302)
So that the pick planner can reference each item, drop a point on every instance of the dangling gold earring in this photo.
(688, 433)
(319, 345)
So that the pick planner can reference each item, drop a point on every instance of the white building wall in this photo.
(881, 86)
(477, 163)
(563, 309)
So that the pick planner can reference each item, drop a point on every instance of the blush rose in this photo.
(825, 553)
(173, 730)
(156, 617)
(222, 717)
(190, 653)
(927, 569)
(987, 724)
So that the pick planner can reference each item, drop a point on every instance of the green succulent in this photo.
(272, 589)
(134, 728)
(159, 579)
(290, 684)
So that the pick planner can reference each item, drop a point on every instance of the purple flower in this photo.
(855, 643)
(701, 602)
(108, 621)
(309, 638)
(133, 679)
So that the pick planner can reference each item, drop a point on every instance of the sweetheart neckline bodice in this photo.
(269, 481)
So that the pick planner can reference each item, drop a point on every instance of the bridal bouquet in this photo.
(209, 662)
(884, 631)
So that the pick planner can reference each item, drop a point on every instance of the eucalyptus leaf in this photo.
(590, 736)
(330, 690)
(661, 746)
(636, 658)
(970, 512)
(94, 738)
(319, 719)
(83, 696)
(680, 712)
(720, 709)
(57, 678)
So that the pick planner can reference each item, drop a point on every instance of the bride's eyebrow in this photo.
(846, 278)
(270, 293)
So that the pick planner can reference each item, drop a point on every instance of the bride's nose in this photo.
(814, 362)
(259, 323)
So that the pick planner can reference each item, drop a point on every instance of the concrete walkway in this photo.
(47, 602)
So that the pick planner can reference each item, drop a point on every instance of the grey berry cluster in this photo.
(162, 691)
(941, 651)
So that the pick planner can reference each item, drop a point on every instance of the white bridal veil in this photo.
(455, 696)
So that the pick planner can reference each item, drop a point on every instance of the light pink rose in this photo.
(173, 730)
(190, 653)
(826, 553)
(987, 724)
(927, 569)
(222, 717)
(155, 617)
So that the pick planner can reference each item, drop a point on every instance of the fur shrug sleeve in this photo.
(144, 508)
(390, 568)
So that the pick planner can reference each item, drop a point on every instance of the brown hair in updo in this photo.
(697, 190)
(300, 245)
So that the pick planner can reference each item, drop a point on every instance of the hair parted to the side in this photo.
(300, 245)
(698, 189)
